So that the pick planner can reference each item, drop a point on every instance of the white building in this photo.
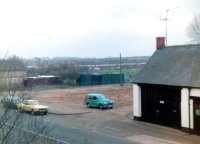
(167, 90)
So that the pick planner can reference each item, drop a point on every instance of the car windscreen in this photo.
(33, 103)
(101, 97)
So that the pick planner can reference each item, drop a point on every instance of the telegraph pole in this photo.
(120, 69)
(40, 71)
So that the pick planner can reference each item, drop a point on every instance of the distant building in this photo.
(167, 90)
(12, 72)
(101, 79)
(42, 80)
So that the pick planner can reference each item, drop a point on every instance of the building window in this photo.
(14, 80)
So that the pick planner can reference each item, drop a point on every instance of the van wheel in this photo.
(101, 107)
(88, 105)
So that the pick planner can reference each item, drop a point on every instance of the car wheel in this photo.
(88, 105)
(45, 113)
(20, 109)
(32, 112)
(101, 107)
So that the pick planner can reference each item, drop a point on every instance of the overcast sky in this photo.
(91, 28)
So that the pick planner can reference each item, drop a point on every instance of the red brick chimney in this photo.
(160, 42)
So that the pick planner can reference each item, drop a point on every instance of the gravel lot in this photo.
(70, 99)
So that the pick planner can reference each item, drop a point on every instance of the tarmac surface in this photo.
(69, 111)
(133, 131)
(118, 129)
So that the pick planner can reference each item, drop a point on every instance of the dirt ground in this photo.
(74, 97)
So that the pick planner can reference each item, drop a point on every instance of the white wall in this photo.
(137, 101)
(191, 115)
(195, 92)
(185, 108)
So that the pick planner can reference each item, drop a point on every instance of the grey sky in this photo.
(91, 28)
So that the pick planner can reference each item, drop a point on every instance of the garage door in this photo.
(161, 105)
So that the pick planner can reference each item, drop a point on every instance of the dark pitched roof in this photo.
(173, 65)
(11, 65)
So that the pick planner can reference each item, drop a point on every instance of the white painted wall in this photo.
(137, 101)
(185, 107)
(191, 115)
(195, 92)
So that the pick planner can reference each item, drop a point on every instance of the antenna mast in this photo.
(166, 19)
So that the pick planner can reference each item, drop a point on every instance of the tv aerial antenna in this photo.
(166, 19)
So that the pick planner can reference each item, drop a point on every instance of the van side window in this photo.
(90, 97)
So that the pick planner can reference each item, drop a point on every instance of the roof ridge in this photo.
(185, 45)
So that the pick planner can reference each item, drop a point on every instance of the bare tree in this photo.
(15, 126)
(193, 29)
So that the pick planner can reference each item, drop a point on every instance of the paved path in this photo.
(127, 130)
(145, 133)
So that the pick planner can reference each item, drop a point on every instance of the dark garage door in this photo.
(161, 105)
